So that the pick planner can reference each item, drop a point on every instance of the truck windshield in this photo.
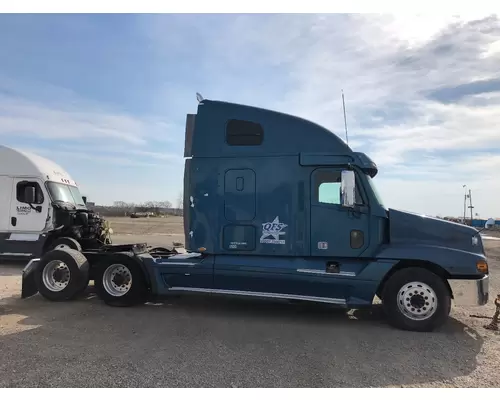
(66, 193)
(375, 191)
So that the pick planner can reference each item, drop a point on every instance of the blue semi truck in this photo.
(278, 207)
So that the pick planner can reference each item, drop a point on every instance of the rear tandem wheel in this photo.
(120, 282)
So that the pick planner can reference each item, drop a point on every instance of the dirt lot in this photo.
(169, 226)
(196, 341)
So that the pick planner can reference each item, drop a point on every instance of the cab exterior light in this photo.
(482, 266)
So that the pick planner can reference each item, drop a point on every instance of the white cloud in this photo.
(126, 151)
(110, 157)
(78, 121)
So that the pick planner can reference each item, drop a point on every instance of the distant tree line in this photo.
(151, 208)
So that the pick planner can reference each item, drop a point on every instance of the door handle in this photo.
(13, 221)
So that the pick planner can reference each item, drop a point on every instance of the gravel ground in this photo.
(169, 226)
(197, 341)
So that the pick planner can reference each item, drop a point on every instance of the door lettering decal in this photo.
(23, 210)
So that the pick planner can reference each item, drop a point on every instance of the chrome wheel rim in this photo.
(56, 276)
(117, 280)
(417, 301)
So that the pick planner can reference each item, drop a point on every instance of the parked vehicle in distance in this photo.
(279, 207)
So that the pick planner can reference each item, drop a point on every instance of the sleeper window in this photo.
(244, 133)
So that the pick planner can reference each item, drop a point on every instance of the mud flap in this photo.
(28, 285)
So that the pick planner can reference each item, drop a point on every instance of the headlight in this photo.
(475, 240)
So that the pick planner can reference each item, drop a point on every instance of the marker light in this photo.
(482, 266)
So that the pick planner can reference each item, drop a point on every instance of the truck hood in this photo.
(407, 227)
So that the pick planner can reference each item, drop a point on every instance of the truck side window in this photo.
(329, 193)
(244, 133)
(20, 188)
(328, 185)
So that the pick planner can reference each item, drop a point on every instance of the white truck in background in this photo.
(41, 208)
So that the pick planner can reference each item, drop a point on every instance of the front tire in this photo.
(416, 299)
(120, 282)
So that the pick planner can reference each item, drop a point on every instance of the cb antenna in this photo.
(345, 119)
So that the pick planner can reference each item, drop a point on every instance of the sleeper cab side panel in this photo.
(263, 210)
(239, 195)
(202, 205)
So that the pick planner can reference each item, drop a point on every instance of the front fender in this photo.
(28, 283)
(456, 262)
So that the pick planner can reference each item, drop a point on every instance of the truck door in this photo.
(24, 217)
(336, 231)
(5, 200)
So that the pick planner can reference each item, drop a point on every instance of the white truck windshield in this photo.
(66, 193)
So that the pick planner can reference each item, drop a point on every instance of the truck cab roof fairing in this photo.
(16, 162)
(283, 134)
(280, 135)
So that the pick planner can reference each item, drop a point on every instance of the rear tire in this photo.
(120, 282)
(66, 243)
(416, 299)
(62, 274)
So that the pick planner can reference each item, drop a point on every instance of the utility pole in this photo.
(465, 202)
(470, 206)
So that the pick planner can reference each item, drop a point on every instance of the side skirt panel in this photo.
(340, 302)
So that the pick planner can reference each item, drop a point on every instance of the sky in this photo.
(106, 96)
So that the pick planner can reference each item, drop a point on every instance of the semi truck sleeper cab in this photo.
(279, 207)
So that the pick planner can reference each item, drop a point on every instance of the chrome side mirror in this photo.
(347, 189)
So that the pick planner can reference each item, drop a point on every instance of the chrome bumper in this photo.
(470, 292)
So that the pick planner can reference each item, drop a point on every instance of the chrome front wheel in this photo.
(417, 301)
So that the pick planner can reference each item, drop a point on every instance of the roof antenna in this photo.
(345, 119)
